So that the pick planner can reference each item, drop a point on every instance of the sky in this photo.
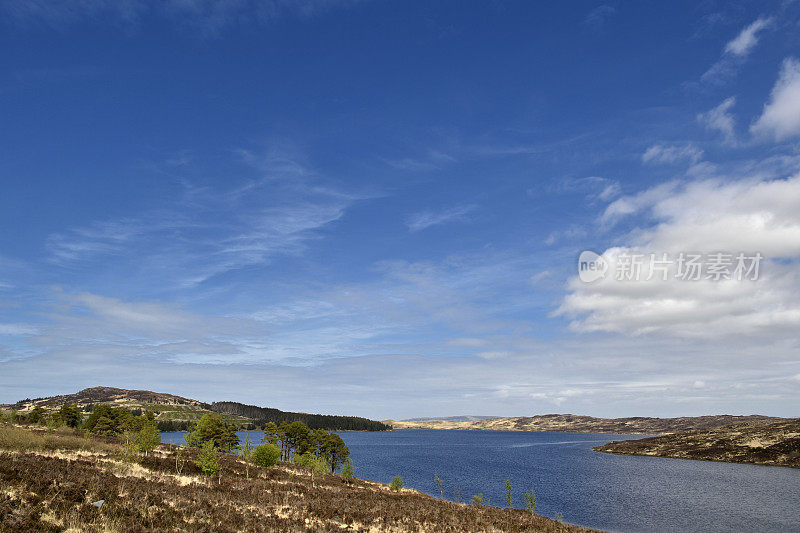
(376, 208)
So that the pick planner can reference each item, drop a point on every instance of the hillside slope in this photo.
(266, 414)
(50, 481)
(108, 395)
(776, 443)
(175, 412)
(588, 424)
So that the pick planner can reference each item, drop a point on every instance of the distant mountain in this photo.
(461, 418)
(174, 413)
(587, 424)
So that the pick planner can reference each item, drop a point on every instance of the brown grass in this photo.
(47, 491)
(25, 439)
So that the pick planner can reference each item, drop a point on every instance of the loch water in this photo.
(609, 492)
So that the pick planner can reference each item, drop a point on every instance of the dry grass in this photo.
(52, 491)
(25, 439)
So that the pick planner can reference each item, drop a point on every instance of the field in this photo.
(49, 481)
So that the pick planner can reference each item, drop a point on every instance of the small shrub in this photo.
(530, 501)
(560, 517)
(179, 460)
(208, 459)
(129, 449)
(477, 499)
(317, 465)
(396, 484)
(438, 481)
(509, 499)
(266, 455)
(246, 453)
(347, 470)
(148, 438)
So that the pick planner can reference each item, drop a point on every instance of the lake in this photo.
(611, 492)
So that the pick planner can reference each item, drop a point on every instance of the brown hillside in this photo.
(589, 424)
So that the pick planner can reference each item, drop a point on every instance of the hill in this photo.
(587, 424)
(50, 481)
(108, 395)
(774, 443)
(262, 415)
(175, 413)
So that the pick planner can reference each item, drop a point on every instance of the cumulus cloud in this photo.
(780, 118)
(670, 154)
(705, 217)
(721, 119)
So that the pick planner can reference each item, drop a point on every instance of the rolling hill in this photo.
(586, 424)
(174, 413)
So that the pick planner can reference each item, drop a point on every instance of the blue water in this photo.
(611, 492)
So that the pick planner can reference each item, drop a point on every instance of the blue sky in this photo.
(376, 208)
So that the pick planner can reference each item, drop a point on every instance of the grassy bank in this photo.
(49, 481)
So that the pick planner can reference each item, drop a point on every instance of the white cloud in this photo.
(781, 115)
(705, 216)
(628, 205)
(592, 187)
(748, 38)
(210, 232)
(17, 329)
(207, 16)
(598, 17)
(426, 219)
(735, 52)
(666, 154)
(568, 234)
(720, 119)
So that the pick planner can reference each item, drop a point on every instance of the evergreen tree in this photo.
(103, 426)
(212, 428)
(333, 449)
(70, 415)
(37, 415)
(270, 433)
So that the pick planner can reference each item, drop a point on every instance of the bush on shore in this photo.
(266, 455)
(396, 484)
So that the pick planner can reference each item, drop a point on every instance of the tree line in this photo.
(263, 415)
(290, 441)
(137, 429)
